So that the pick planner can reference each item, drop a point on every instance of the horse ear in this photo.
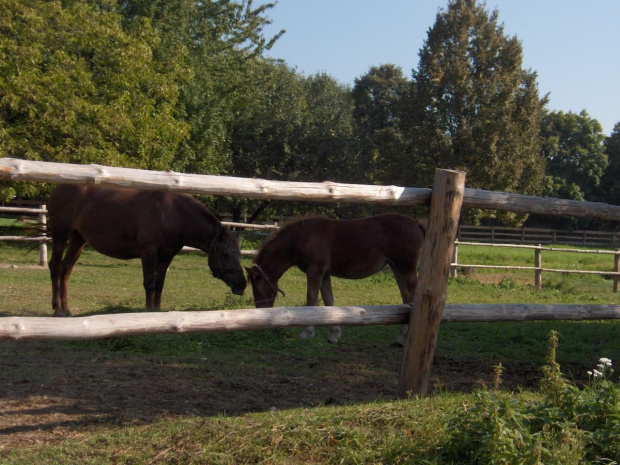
(250, 271)
(237, 237)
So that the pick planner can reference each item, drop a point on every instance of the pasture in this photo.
(266, 396)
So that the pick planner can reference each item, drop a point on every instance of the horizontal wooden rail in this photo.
(533, 268)
(125, 324)
(12, 169)
(34, 211)
(537, 268)
(538, 247)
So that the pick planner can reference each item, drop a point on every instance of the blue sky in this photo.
(574, 46)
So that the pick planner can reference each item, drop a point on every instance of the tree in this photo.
(292, 128)
(76, 87)
(575, 156)
(223, 39)
(378, 104)
(609, 191)
(474, 108)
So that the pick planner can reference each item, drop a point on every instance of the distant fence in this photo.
(538, 268)
(508, 235)
(41, 214)
(482, 235)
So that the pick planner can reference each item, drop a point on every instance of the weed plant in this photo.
(567, 425)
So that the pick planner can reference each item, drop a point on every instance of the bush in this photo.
(563, 425)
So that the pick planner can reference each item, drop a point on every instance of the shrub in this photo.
(565, 424)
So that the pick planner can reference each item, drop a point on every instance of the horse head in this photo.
(224, 260)
(264, 290)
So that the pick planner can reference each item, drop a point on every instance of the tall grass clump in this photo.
(565, 424)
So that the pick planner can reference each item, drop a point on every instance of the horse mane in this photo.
(284, 230)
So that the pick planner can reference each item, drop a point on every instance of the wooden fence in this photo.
(446, 199)
(538, 268)
(509, 235)
(41, 214)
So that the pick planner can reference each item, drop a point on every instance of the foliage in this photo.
(76, 87)
(473, 107)
(569, 424)
(292, 128)
(223, 39)
(610, 182)
(573, 149)
(379, 97)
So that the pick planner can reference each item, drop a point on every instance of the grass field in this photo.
(266, 396)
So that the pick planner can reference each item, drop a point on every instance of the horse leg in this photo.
(59, 243)
(149, 276)
(162, 268)
(328, 300)
(406, 280)
(313, 279)
(76, 245)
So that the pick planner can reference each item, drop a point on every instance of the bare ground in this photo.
(49, 393)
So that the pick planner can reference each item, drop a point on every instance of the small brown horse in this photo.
(322, 247)
(128, 223)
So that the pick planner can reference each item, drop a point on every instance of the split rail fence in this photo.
(488, 234)
(424, 316)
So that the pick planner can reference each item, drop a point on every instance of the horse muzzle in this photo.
(236, 282)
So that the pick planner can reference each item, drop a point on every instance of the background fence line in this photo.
(537, 268)
(492, 234)
(504, 234)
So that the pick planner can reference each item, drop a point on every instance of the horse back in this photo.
(355, 248)
(116, 221)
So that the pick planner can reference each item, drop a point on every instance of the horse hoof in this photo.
(306, 335)
(332, 341)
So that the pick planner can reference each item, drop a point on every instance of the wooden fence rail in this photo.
(41, 212)
(505, 234)
(538, 268)
(13, 169)
(125, 324)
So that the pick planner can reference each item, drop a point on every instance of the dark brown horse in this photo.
(128, 223)
(322, 247)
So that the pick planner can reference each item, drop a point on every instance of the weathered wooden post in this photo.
(455, 261)
(617, 270)
(538, 267)
(43, 226)
(430, 294)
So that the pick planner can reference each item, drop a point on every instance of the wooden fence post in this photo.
(43, 231)
(538, 266)
(617, 270)
(455, 261)
(430, 294)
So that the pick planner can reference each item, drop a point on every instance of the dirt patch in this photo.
(49, 393)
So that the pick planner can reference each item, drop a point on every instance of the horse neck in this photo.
(274, 263)
(202, 231)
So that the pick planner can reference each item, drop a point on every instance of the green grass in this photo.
(383, 431)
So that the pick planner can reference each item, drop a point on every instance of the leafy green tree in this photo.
(223, 38)
(609, 191)
(291, 128)
(77, 87)
(474, 108)
(325, 151)
(575, 156)
(378, 104)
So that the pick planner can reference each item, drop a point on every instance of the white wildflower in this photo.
(605, 361)
(597, 374)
